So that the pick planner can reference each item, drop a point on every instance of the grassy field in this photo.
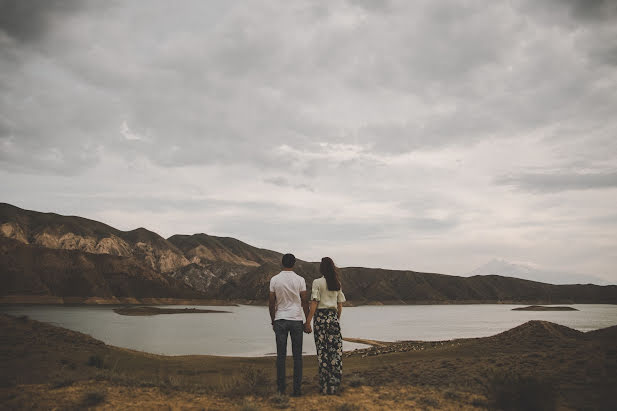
(537, 365)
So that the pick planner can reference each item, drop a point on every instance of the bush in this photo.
(62, 383)
(93, 398)
(95, 361)
(355, 380)
(252, 382)
(280, 401)
(426, 402)
(508, 391)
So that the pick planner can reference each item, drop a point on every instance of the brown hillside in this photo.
(27, 269)
(76, 233)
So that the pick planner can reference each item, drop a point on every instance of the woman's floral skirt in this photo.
(329, 343)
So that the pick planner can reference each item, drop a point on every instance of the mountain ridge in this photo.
(44, 253)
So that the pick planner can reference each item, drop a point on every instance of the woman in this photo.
(326, 306)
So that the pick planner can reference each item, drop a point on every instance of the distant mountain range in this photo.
(528, 272)
(50, 255)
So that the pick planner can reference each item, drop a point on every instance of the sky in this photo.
(432, 136)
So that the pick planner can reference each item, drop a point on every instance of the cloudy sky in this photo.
(421, 135)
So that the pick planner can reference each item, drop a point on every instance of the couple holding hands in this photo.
(288, 301)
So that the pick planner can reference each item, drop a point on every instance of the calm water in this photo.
(246, 330)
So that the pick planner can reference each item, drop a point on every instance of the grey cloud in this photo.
(373, 5)
(207, 92)
(610, 219)
(29, 20)
(593, 10)
(284, 182)
(560, 182)
(431, 224)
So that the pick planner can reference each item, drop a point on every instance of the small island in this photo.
(156, 311)
(544, 308)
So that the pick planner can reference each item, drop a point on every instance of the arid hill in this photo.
(46, 254)
(36, 270)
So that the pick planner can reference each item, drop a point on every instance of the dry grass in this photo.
(252, 381)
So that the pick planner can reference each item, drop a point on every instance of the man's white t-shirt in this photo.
(287, 286)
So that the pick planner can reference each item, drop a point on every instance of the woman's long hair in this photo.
(330, 272)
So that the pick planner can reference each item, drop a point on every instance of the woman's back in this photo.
(327, 299)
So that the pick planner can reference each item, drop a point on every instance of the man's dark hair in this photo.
(289, 260)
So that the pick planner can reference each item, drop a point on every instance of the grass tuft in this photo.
(280, 401)
(253, 381)
(355, 380)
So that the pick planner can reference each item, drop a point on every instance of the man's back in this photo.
(287, 286)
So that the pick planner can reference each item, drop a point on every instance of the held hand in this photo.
(307, 328)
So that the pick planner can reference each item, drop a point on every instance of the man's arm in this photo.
(307, 327)
(272, 306)
(305, 305)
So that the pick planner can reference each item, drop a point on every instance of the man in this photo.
(287, 301)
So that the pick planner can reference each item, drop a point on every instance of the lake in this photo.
(246, 330)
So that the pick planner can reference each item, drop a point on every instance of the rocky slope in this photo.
(55, 255)
(76, 233)
(36, 270)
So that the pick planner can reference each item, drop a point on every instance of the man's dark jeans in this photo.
(295, 329)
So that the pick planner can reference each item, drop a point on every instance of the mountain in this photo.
(202, 248)
(76, 233)
(47, 254)
(528, 272)
(41, 271)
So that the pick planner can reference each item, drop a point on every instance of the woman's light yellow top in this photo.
(327, 299)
